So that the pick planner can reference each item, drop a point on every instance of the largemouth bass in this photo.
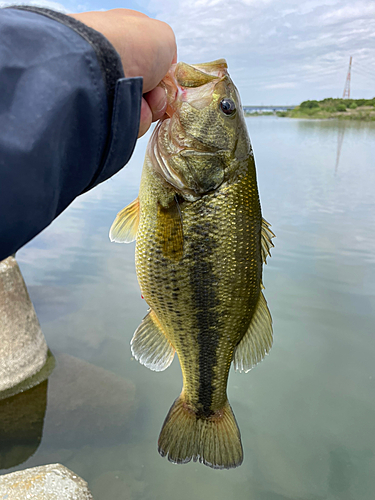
(200, 246)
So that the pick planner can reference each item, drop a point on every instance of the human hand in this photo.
(147, 48)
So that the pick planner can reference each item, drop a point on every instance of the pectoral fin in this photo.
(257, 341)
(170, 230)
(267, 236)
(125, 226)
(150, 346)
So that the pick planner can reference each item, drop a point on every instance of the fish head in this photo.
(203, 131)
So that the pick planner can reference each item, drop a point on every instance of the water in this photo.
(306, 413)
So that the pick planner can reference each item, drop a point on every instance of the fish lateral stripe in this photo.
(207, 321)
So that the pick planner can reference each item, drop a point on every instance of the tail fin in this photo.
(214, 441)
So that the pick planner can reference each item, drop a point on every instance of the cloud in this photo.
(286, 85)
(350, 13)
(275, 39)
(283, 51)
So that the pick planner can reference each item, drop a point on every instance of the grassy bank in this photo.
(344, 109)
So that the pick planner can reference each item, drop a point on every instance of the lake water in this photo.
(306, 413)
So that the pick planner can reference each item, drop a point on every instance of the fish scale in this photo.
(223, 303)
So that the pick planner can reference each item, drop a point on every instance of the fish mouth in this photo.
(188, 83)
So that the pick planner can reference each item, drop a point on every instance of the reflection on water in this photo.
(21, 425)
(87, 405)
(306, 413)
(340, 139)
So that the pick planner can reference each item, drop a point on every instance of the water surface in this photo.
(307, 412)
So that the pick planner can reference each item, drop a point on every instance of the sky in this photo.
(278, 51)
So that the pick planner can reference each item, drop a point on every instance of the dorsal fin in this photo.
(150, 346)
(125, 226)
(257, 341)
(266, 237)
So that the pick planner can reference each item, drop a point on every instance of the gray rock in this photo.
(23, 349)
(48, 482)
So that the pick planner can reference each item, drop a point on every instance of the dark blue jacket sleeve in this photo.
(65, 126)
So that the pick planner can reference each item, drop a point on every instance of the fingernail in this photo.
(162, 104)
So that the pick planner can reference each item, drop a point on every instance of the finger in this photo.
(147, 47)
(126, 12)
(161, 50)
(157, 101)
(146, 118)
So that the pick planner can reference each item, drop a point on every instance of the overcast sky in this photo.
(278, 51)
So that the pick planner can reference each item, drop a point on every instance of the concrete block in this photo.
(48, 482)
(23, 349)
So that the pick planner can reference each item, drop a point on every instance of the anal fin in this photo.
(257, 341)
(150, 346)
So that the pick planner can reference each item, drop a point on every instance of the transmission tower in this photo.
(346, 93)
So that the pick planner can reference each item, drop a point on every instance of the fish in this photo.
(201, 243)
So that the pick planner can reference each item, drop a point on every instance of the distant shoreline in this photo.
(342, 109)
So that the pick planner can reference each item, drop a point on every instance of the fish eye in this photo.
(227, 106)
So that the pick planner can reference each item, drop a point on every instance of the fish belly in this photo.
(205, 300)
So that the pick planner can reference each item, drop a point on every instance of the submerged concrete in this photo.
(23, 349)
(88, 406)
(21, 425)
(48, 482)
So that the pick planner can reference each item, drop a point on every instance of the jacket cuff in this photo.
(124, 96)
(124, 128)
(108, 58)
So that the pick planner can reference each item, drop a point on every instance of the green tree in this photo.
(309, 104)
(341, 107)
